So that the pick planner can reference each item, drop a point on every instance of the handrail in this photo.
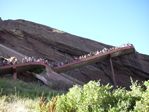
(94, 58)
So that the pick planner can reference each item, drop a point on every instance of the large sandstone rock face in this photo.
(37, 40)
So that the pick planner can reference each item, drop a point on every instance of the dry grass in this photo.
(18, 96)
(15, 104)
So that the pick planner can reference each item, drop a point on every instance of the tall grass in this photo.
(19, 96)
(23, 89)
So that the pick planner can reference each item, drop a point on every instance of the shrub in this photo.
(143, 104)
(94, 97)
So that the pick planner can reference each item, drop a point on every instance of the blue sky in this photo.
(111, 22)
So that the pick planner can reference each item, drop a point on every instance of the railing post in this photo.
(14, 73)
(113, 74)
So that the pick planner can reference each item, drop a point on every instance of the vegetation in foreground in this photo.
(12, 103)
(94, 97)
(19, 96)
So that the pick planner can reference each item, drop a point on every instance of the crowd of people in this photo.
(104, 50)
(13, 60)
(33, 59)
(8, 61)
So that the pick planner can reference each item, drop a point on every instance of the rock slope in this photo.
(37, 40)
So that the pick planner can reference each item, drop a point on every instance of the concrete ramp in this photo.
(21, 67)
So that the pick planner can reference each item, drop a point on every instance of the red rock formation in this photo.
(37, 40)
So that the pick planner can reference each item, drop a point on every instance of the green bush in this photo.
(142, 105)
(94, 97)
